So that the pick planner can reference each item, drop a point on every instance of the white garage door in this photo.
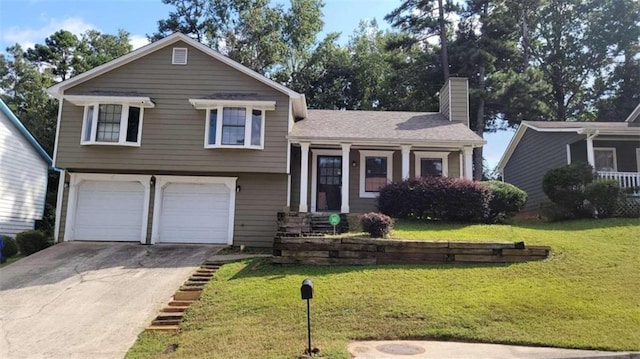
(195, 213)
(109, 211)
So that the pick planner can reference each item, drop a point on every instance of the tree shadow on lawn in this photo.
(263, 267)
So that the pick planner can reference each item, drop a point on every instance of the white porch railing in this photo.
(625, 179)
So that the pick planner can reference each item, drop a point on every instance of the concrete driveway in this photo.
(88, 300)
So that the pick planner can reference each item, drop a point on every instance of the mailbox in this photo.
(307, 289)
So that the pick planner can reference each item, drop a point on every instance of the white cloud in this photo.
(27, 37)
(137, 41)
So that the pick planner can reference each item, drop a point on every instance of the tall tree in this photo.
(424, 19)
(23, 87)
(257, 33)
(58, 53)
(95, 49)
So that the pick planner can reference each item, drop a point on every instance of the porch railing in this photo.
(627, 180)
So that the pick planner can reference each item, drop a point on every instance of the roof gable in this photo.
(299, 102)
(23, 130)
(634, 116)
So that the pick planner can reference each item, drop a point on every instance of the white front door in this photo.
(195, 213)
(109, 211)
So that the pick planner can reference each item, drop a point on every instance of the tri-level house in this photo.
(611, 148)
(177, 143)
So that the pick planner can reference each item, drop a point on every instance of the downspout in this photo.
(591, 158)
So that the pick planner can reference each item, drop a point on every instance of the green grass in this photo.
(11, 260)
(584, 296)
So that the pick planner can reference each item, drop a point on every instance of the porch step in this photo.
(171, 315)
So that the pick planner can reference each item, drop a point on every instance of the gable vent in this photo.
(179, 56)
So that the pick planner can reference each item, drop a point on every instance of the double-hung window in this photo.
(430, 164)
(375, 171)
(111, 120)
(234, 124)
(605, 158)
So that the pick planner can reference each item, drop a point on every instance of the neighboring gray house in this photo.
(24, 169)
(177, 143)
(612, 148)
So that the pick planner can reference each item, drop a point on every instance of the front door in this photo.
(329, 196)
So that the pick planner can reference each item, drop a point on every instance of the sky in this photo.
(28, 22)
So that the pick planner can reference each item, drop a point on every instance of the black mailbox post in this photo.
(306, 292)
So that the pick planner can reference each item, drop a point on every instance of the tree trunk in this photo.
(443, 41)
(525, 37)
(477, 152)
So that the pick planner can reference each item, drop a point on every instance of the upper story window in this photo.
(376, 170)
(605, 158)
(430, 164)
(111, 120)
(234, 124)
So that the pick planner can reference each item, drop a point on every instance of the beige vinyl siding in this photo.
(260, 199)
(535, 155)
(459, 101)
(63, 208)
(173, 131)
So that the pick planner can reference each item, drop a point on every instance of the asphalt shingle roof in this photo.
(391, 126)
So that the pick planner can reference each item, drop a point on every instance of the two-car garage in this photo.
(184, 209)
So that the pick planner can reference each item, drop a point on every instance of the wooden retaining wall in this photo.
(362, 251)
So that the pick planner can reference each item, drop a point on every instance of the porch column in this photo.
(304, 176)
(591, 157)
(406, 150)
(344, 208)
(468, 162)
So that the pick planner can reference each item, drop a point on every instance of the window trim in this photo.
(124, 118)
(420, 155)
(219, 105)
(615, 157)
(363, 164)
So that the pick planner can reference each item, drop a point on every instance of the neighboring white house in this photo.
(24, 168)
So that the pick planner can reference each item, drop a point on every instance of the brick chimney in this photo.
(454, 100)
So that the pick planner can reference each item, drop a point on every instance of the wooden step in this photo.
(166, 322)
(170, 316)
(174, 309)
(199, 279)
(187, 295)
(163, 327)
(180, 303)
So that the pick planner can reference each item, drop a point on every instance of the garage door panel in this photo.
(110, 211)
(195, 213)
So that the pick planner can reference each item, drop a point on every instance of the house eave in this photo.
(385, 142)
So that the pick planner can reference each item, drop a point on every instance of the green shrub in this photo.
(377, 225)
(506, 201)
(30, 242)
(439, 198)
(565, 186)
(605, 196)
(551, 212)
(10, 248)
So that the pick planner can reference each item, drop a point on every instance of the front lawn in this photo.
(584, 296)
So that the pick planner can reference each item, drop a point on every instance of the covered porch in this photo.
(613, 157)
(346, 177)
